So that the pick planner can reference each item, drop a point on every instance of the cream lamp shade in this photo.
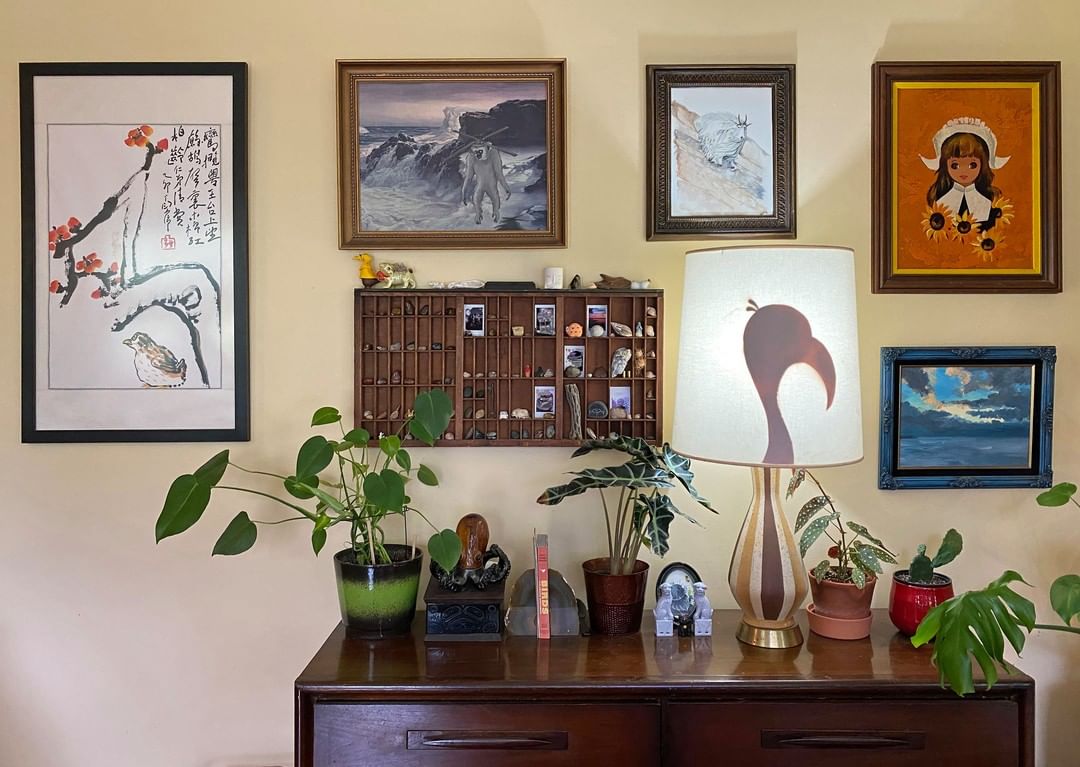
(768, 369)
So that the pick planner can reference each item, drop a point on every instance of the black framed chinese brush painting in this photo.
(134, 214)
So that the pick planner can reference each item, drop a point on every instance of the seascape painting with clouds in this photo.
(966, 416)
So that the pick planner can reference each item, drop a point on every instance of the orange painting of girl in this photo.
(963, 203)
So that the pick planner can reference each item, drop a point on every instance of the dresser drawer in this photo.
(485, 734)
(820, 733)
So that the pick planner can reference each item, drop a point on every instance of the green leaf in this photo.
(951, 546)
(390, 444)
(427, 476)
(632, 446)
(797, 478)
(809, 509)
(1065, 597)
(185, 502)
(318, 540)
(238, 537)
(386, 490)
(314, 456)
(860, 530)
(328, 499)
(358, 437)
(654, 514)
(972, 628)
(679, 465)
(210, 473)
(881, 554)
(301, 487)
(445, 549)
(432, 411)
(858, 577)
(820, 569)
(1058, 495)
(404, 460)
(325, 415)
(632, 474)
(867, 557)
(420, 432)
(813, 532)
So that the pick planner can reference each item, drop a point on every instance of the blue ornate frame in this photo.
(1038, 474)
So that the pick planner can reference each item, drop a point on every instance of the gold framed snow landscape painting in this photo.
(451, 154)
(721, 152)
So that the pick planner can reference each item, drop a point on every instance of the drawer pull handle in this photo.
(468, 740)
(841, 739)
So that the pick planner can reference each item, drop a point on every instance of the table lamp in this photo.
(768, 377)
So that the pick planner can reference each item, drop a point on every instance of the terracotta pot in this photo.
(378, 600)
(910, 602)
(841, 610)
(833, 599)
(615, 601)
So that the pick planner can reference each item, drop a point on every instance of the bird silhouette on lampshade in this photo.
(776, 337)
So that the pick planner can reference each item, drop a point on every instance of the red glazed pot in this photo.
(910, 602)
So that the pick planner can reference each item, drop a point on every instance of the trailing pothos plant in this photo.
(642, 514)
(349, 482)
(858, 554)
(972, 628)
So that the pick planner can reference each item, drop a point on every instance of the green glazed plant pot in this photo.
(378, 600)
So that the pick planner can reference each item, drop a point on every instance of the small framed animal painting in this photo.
(966, 178)
(721, 152)
(134, 289)
(967, 417)
(451, 153)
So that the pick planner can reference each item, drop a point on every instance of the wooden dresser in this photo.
(640, 701)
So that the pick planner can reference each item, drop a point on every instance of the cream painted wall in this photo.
(116, 652)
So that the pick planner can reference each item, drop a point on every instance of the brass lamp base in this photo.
(772, 638)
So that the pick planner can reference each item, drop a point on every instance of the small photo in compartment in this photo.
(544, 319)
(574, 356)
(543, 401)
(474, 319)
(597, 319)
(619, 397)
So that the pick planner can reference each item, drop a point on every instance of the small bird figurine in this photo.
(156, 366)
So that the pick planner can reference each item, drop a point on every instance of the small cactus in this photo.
(922, 567)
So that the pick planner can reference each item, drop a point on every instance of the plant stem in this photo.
(1051, 627)
(843, 539)
(253, 471)
(607, 521)
(278, 521)
(294, 507)
(371, 540)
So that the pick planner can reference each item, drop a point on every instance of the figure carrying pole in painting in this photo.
(483, 168)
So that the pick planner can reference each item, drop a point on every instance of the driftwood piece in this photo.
(573, 401)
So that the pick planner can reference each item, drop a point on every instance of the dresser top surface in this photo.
(637, 661)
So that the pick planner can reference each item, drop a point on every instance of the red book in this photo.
(543, 607)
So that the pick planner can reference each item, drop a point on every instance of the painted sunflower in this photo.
(1003, 209)
(988, 244)
(937, 222)
(964, 228)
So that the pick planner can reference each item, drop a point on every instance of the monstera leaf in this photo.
(653, 514)
(633, 446)
(972, 628)
(1065, 597)
(679, 465)
(632, 474)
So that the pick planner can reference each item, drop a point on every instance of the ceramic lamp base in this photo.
(772, 638)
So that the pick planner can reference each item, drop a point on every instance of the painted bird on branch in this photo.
(156, 366)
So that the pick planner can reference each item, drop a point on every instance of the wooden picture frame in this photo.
(966, 417)
(727, 169)
(135, 309)
(411, 175)
(993, 226)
